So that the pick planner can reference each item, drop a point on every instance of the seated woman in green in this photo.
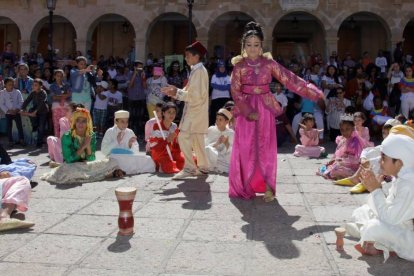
(78, 148)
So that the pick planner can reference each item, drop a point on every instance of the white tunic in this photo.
(130, 163)
(218, 157)
(388, 220)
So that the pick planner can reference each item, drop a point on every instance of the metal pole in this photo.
(51, 36)
(190, 21)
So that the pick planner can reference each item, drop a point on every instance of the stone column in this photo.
(331, 45)
(83, 45)
(141, 49)
(396, 36)
(25, 46)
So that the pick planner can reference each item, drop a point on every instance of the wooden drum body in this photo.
(125, 197)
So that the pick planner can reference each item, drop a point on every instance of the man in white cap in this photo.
(120, 143)
(385, 223)
(219, 142)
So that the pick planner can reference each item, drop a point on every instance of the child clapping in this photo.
(219, 141)
(309, 137)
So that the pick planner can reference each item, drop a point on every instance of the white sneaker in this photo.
(183, 175)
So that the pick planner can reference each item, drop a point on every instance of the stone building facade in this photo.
(161, 26)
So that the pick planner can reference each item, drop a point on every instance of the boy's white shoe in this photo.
(183, 175)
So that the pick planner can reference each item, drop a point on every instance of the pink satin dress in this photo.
(254, 157)
(309, 147)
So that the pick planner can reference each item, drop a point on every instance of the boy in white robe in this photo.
(120, 143)
(385, 223)
(219, 141)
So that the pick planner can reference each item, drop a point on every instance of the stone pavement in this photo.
(190, 228)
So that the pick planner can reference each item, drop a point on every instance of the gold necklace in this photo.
(255, 66)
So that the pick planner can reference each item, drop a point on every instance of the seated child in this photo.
(385, 224)
(345, 161)
(54, 145)
(149, 126)
(166, 152)
(370, 157)
(219, 142)
(363, 132)
(14, 194)
(78, 149)
(120, 143)
(380, 111)
(309, 137)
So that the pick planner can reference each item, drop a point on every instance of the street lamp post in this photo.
(51, 5)
(190, 20)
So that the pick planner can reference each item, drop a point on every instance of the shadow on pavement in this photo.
(196, 192)
(120, 245)
(271, 224)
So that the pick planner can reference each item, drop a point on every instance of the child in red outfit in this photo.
(158, 145)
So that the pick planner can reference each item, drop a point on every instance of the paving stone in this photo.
(290, 199)
(167, 210)
(153, 228)
(216, 258)
(60, 205)
(323, 189)
(224, 212)
(287, 257)
(106, 207)
(202, 230)
(105, 272)
(44, 221)
(12, 240)
(86, 225)
(12, 269)
(53, 249)
(351, 262)
(333, 213)
(315, 199)
(130, 254)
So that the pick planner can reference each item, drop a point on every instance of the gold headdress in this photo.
(82, 113)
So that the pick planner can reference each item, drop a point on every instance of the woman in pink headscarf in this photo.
(253, 161)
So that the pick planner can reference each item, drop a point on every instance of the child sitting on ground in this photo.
(120, 143)
(166, 152)
(363, 132)
(14, 194)
(149, 126)
(370, 157)
(219, 142)
(385, 224)
(309, 137)
(345, 161)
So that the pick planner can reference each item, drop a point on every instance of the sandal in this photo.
(118, 173)
(269, 196)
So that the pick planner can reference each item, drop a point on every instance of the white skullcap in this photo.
(121, 114)
(392, 122)
(401, 147)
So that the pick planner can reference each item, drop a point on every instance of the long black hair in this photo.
(252, 29)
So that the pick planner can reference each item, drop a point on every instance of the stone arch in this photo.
(64, 36)
(9, 32)
(168, 34)
(408, 36)
(300, 34)
(225, 33)
(354, 34)
(110, 34)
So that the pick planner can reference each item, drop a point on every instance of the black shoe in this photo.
(33, 184)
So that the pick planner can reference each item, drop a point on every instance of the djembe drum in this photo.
(125, 197)
(340, 234)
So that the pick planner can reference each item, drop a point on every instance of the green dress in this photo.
(79, 169)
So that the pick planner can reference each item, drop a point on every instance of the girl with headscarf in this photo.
(385, 224)
(78, 148)
(220, 83)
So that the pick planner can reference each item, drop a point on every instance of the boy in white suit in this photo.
(194, 122)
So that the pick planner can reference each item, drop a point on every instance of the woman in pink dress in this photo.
(54, 145)
(253, 160)
(309, 137)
